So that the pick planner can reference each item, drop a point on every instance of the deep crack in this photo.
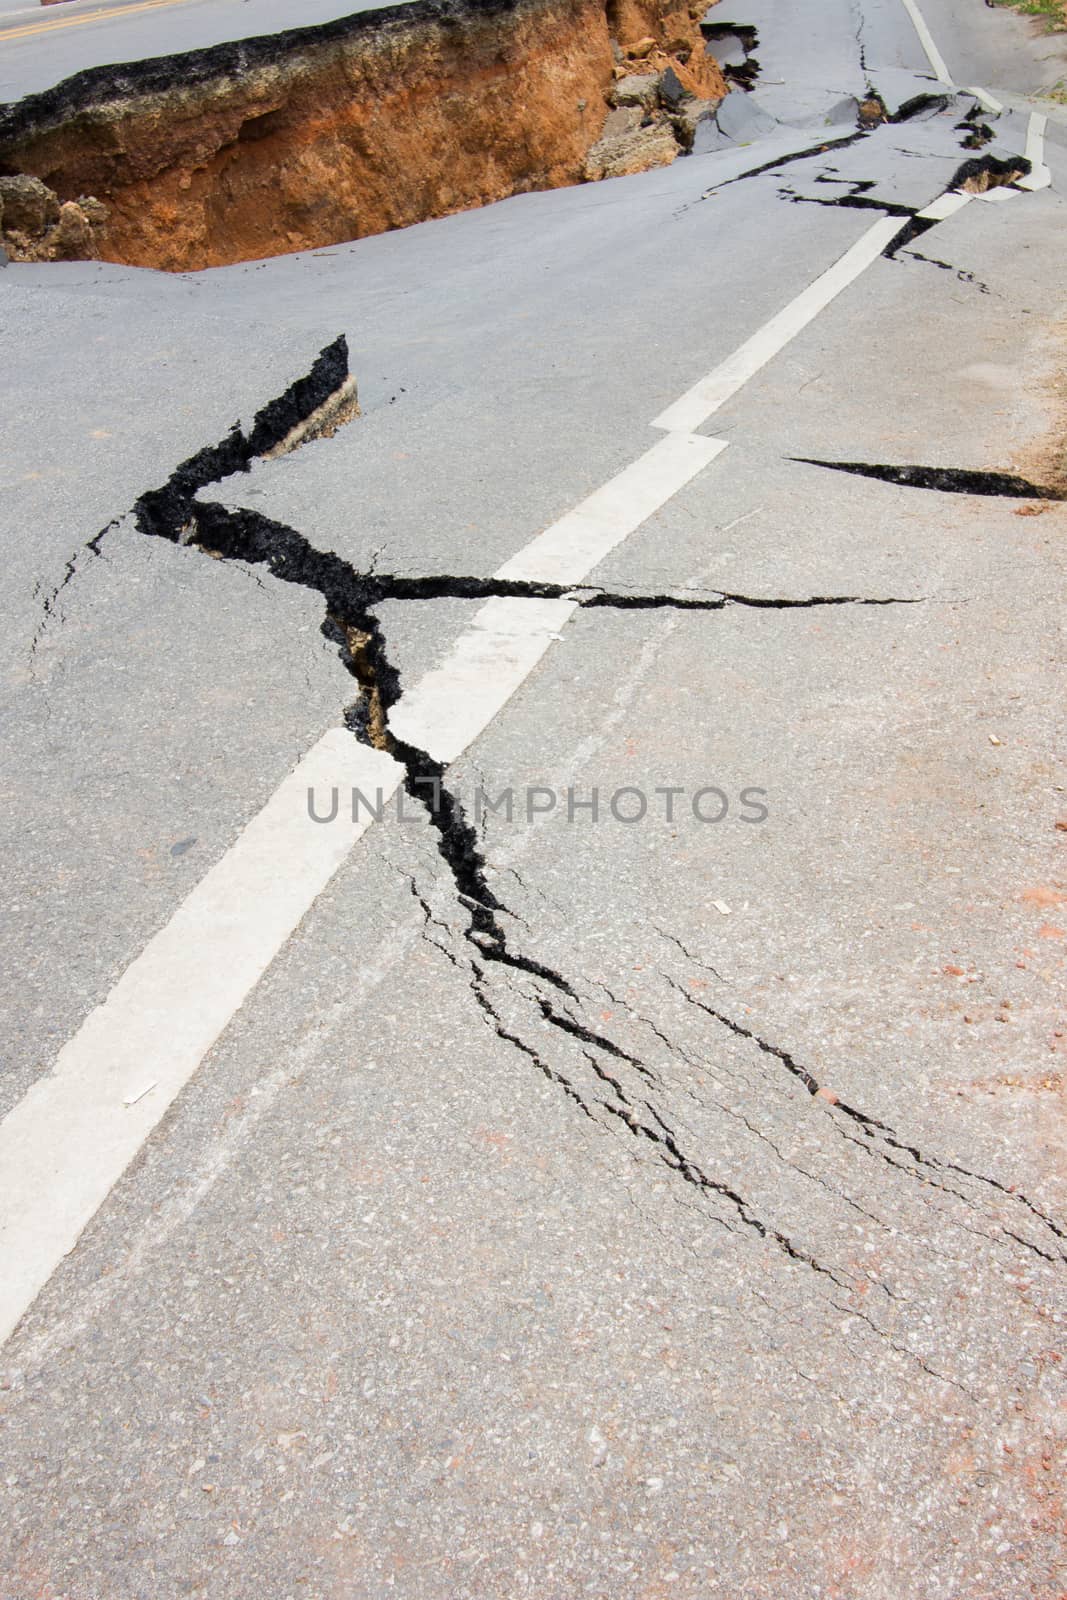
(975, 176)
(856, 200)
(819, 149)
(947, 480)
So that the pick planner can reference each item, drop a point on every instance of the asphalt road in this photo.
(39, 48)
(660, 1208)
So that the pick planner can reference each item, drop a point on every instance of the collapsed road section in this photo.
(375, 121)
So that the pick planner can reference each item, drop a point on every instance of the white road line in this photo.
(73, 1134)
(987, 101)
(946, 205)
(1039, 177)
(1035, 137)
(569, 550)
(926, 39)
(705, 397)
(449, 708)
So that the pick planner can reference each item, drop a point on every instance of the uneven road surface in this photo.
(657, 1191)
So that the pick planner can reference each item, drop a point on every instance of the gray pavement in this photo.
(39, 48)
(440, 1279)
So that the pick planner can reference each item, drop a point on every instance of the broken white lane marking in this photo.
(946, 205)
(1039, 176)
(569, 550)
(73, 1134)
(449, 708)
(926, 39)
(987, 101)
(705, 397)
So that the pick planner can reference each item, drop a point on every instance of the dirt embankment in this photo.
(334, 132)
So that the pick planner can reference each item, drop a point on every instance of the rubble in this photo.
(35, 225)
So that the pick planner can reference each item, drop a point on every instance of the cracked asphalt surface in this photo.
(575, 1207)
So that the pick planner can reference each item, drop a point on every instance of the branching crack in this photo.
(671, 1153)
(927, 1169)
(857, 199)
(50, 601)
(176, 514)
(495, 1021)
(976, 133)
(578, 1031)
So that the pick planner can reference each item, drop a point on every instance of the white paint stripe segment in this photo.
(449, 708)
(76, 1130)
(987, 101)
(1035, 137)
(1039, 176)
(705, 397)
(569, 550)
(926, 39)
(946, 205)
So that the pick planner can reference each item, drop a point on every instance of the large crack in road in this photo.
(604, 1092)
(946, 480)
